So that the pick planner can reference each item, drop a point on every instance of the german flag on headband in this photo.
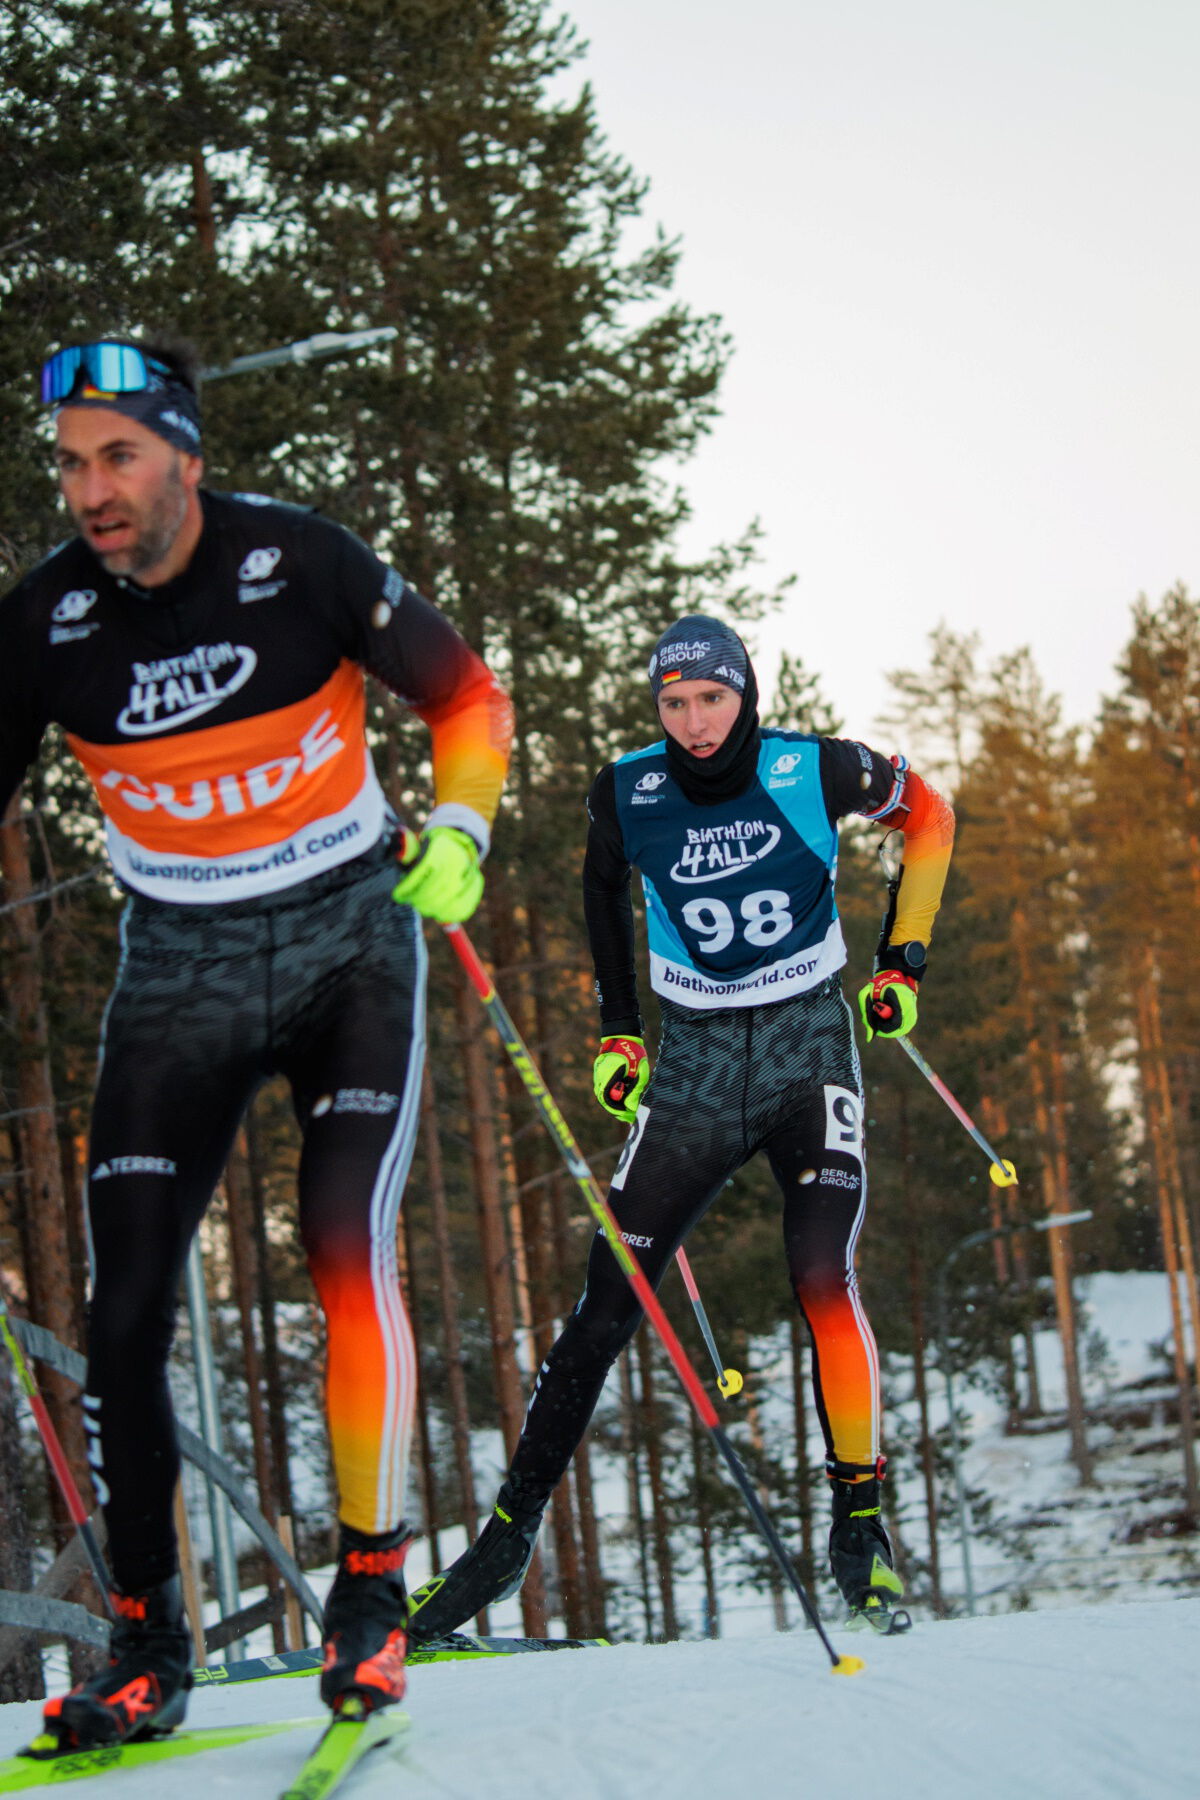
(672, 675)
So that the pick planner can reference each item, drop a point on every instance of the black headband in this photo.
(167, 406)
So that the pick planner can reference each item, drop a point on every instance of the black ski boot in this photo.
(491, 1570)
(363, 1633)
(860, 1554)
(143, 1691)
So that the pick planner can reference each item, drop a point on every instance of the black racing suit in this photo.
(220, 718)
(728, 1081)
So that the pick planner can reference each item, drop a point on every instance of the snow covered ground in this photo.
(1063, 1700)
(1095, 1702)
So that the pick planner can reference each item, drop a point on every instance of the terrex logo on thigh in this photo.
(132, 1165)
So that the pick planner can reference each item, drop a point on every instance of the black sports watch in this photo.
(909, 958)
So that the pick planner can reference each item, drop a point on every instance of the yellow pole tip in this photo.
(849, 1665)
(1003, 1173)
(731, 1383)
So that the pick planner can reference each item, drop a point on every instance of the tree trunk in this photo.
(633, 1469)
(712, 1615)
(593, 1580)
(428, 1473)
(1051, 1133)
(1159, 1140)
(804, 1497)
(1000, 1216)
(203, 217)
(1169, 1139)
(272, 1368)
(239, 1208)
(774, 1578)
(658, 1491)
(45, 1238)
(916, 1288)
(567, 1279)
(530, 1229)
(497, 1266)
(448, 1292)
(21, 1675)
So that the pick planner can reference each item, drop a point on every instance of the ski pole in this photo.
(560, 1131)
(58, 1461)
(728, 1380)
(1001, 1170)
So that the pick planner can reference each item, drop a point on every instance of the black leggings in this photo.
(783, 1079)
(325, 983)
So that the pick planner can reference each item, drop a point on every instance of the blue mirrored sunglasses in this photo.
(110, 367)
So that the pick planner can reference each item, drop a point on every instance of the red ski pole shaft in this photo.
(728, 1380)
(560, 1131)
(1002, 1172)
(58, 1461)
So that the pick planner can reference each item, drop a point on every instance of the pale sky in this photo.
(957, 245)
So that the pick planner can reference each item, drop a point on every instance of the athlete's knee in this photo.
(820, 1292)
(593, 1337)
(128, 1324)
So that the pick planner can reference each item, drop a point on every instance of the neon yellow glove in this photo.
(888, 1004)
(442, 879)
(619, 1076)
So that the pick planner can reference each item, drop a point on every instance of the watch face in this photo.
(914, 955)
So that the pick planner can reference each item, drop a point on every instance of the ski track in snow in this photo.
(1097, 1701)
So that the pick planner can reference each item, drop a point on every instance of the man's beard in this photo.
(155, 533)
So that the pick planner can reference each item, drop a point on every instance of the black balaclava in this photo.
(698, 648)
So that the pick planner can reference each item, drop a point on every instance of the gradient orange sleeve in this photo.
(471, 734)
(928, 840)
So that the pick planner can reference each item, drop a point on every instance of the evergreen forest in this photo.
(265, 170)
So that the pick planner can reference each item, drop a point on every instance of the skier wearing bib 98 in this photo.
(205, 654)
(734, 831)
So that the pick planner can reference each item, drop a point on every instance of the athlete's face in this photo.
(699, 714)
(132, 495)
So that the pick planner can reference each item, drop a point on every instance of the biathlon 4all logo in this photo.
(714, 851)
(174, 690)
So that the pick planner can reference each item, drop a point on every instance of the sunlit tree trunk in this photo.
(449, 1299)
(21, 1675)
(497, 1264)
(1050, 1127)
(268, 1322)
(430, 1496)
(1168, 1227)
(45, 1239)
(916, 1288)
(242, 1259)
